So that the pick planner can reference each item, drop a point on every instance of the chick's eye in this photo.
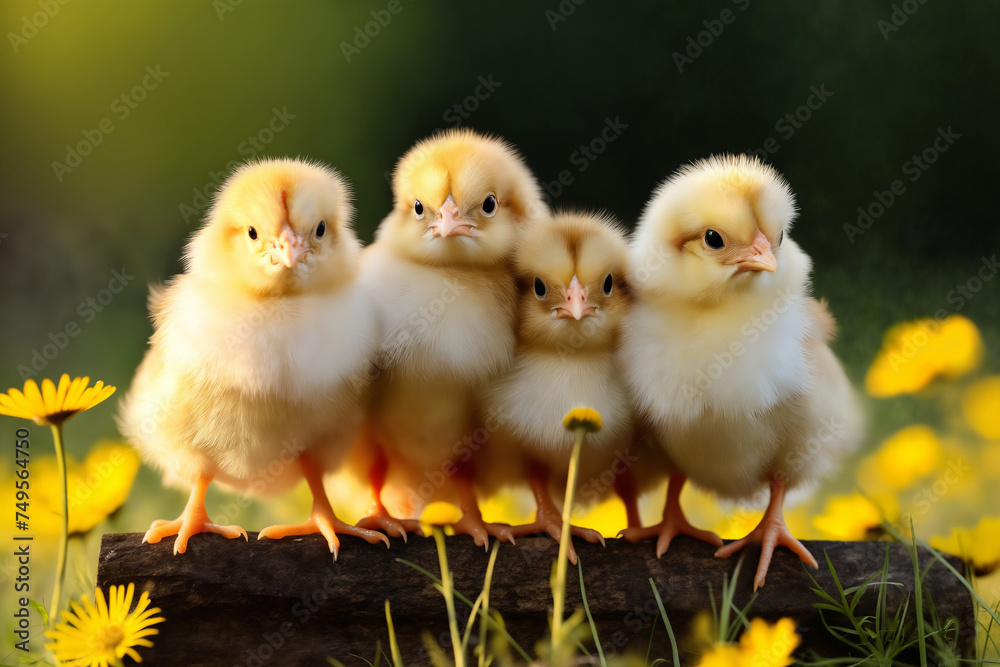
(609, 284)
(321, 229)
(540, 290)
(490, 206)
(714, 240)
(781, 238)
(252, 233)
(418, 208)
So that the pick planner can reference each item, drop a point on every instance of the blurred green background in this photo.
(237, 79)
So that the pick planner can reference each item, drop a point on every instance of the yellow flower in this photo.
(100, 636)
(767, 645)
(979, 545)
(53, 405)
(722, 655)
(914, 353)
(513, 506)
(606, 517)
(738, 524)
(439, 513)
(981, 407)
(849, 517)
(702, 631)
(585, 418)
(910, 454)
(761, 645)
(97, 487)
(989, 460)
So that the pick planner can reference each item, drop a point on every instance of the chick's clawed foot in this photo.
(472, 524)
(549, 521)
(194, 519)
(188, 524)
(382, 520)
(769, 533)
(667, 530)
(674, 522)
(326, 524)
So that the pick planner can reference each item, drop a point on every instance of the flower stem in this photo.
(64, 534)
(559, 590)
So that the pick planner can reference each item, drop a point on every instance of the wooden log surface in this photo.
(287, 602)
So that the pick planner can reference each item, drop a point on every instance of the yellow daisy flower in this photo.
(585, 418)
(722, 655)
(100, 636)
(97, 487)
(914, 353)
(53, 405)
(981, 407)
(767, 645)
(849, 517)
(908, 455)
(979, 545)
(763, 644)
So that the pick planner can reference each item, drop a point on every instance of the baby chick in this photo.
(439, 272)
(726, 350)
(571, 270)
(256, 367)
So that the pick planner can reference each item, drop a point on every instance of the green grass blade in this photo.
(919, 602)
(437, 656)
(649, 648)
(590, 619)
(471, 621)
(666, 623)
(361, 658)
(487, 584)
(447, 586)
(489, 619)
(397, 659)
(40, 608)
(994, 613)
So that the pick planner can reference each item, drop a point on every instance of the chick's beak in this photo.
(450, 222)
(757, 256)
(575, 305)
(288, 247)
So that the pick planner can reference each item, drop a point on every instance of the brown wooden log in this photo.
(287, 602)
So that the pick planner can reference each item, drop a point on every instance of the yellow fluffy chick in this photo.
(727, 352)
(256, 368)
(439, 272)
(573, 298)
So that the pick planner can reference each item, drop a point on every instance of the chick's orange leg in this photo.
(548, 519)
(378, 515)
(674, 522)
(194, 519)
(472, 522)
(769, 533)
(322, 519)
(627, 490)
